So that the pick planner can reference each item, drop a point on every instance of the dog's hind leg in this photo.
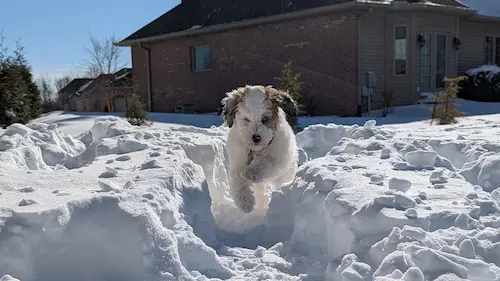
(261, 195)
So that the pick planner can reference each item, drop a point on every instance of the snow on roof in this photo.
(484, 7)
(83, 87)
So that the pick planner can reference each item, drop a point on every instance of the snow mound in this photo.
(120, 202)
(139, 226)
(123, 203)
(318, 140)
(365, 218)
(37, 146)
(484, 172)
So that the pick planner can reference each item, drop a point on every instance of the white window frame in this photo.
(394, 49)
(494, 46)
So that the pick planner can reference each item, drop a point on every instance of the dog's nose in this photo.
(256, 139)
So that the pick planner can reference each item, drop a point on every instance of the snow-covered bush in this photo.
(482, 84)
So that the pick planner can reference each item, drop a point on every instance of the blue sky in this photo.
(55, 32)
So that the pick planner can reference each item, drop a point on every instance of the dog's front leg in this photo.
(241, 193)
(261, 168)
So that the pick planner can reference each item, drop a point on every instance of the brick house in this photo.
(105, 93)
(67, 95)
(200, 49)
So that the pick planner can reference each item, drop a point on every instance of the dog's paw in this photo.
(245, 200)
(252, 174)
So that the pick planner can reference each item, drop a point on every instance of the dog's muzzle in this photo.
(263, 148)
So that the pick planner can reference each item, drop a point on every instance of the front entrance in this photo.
(433, 61)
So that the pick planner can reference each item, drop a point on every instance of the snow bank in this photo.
(368, 203)
(141, 224)
(123, 203)
(366, 218)
(37, 146)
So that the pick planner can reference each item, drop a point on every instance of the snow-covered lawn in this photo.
(75, 123)
(87, 197)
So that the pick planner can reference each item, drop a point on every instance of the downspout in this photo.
(457, 34)
(148, 76)
(360, 77)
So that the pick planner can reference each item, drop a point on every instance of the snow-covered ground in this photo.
(75, 123)
(86, 197)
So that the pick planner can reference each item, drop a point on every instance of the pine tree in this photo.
(290, 82)
(33, 96)
(445, 107)
(13, 108)
(20, 99)
(135, 111)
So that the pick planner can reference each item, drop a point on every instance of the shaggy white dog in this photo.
(261, 143)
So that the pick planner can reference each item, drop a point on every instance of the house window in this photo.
(497, 51)
(492, 50)
(201, 58)
(488, 50)
(400, 50)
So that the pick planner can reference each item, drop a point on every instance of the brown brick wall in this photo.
(323, 49)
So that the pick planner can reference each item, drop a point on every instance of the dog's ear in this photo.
(285, 101)
(230, 105)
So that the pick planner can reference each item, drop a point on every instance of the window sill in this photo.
(201, 71)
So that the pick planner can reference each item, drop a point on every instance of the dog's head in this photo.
(256, 112)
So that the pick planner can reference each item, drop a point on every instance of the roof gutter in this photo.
(483, 18)
(148, 75)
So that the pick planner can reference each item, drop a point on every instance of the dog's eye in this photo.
(264, 119)
(246, 119)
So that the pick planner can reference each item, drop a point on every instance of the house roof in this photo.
(123, 71)
(194, 14)
(124, 80)
(95, 83)
(75, 85)
(489, 8)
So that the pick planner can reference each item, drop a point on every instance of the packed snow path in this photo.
(407, 202)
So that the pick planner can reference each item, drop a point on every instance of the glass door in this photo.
(433, 61)
(440, 68)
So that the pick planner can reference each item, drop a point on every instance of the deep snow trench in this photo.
(368, 203)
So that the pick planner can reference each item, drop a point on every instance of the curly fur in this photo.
(267, 113)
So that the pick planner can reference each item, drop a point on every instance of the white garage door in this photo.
(119, 104)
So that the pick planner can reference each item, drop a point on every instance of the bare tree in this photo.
(47, 92)
(102, 56)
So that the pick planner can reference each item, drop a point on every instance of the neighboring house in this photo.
(66, 96)
(200, 49)
(105, 93)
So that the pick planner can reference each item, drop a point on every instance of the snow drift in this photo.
(368, 203)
